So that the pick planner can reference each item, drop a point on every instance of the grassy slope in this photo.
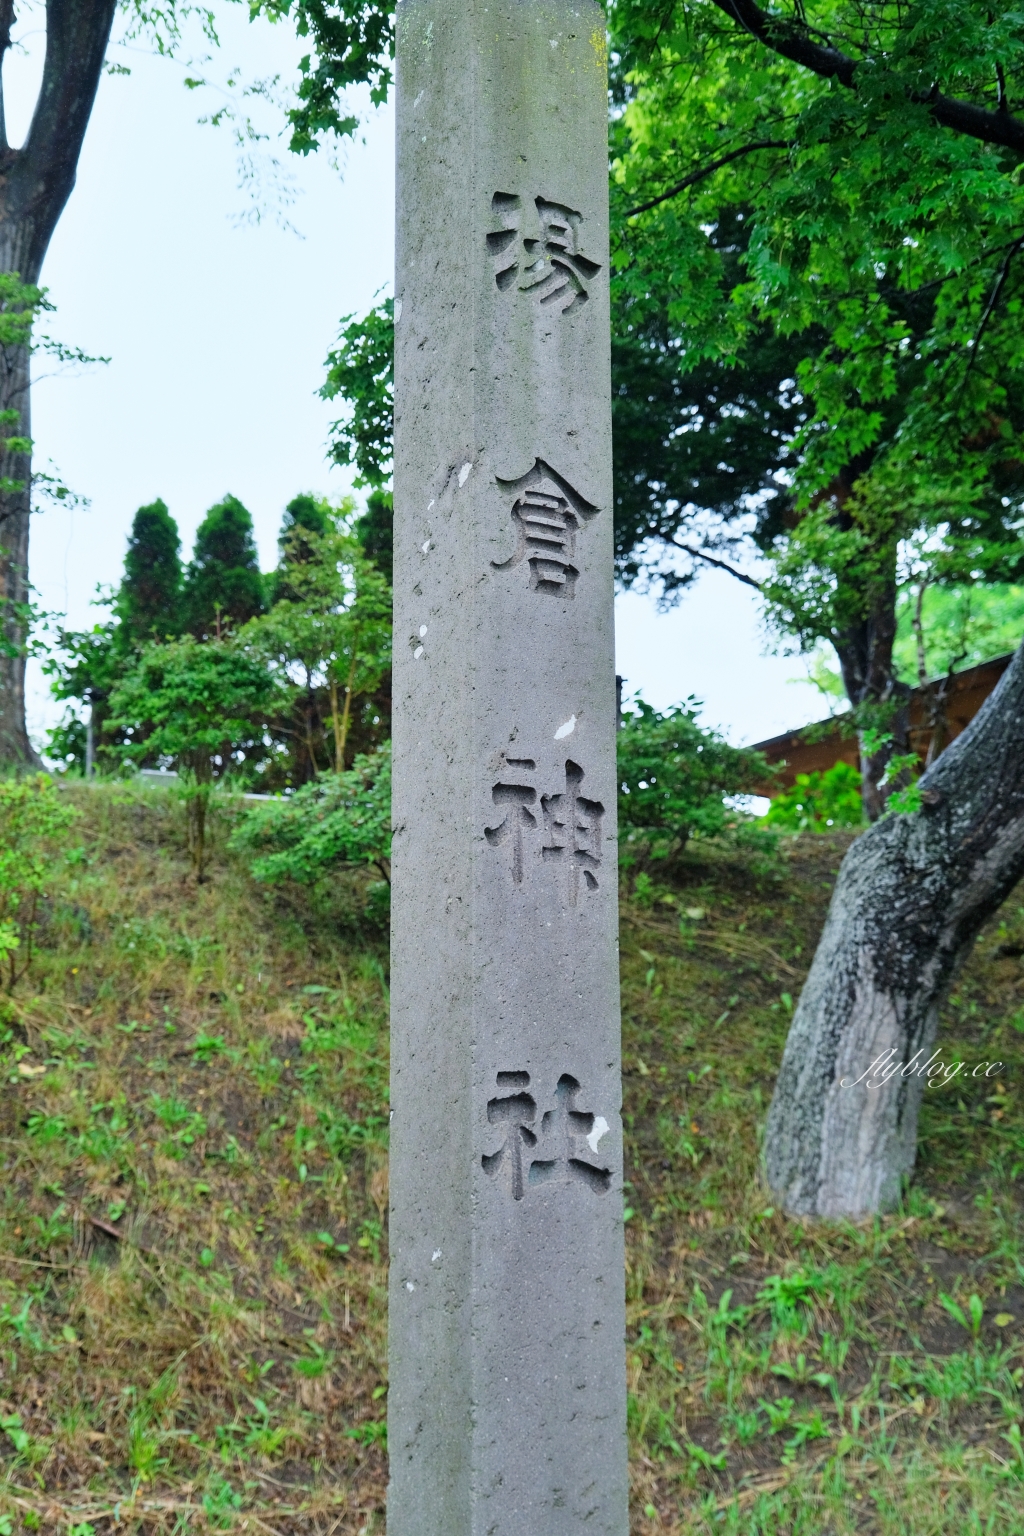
(203, 1072)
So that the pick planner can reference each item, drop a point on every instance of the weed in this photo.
(974, 1307)
(371, 1432)
(12, 1428)
(206, 1047)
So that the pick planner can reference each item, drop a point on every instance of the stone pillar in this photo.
(507, 1358)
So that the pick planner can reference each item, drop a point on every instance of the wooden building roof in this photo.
(938, 711)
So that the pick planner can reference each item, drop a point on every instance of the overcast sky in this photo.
(217, 325)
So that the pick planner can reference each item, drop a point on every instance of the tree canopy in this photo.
(816, 224)
(149, 599)
(223, 584)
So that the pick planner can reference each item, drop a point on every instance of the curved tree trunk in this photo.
(911, 897)
(35, 184)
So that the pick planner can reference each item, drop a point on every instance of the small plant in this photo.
(317, 1363)
(802, 1374)
(200, 705)
(370, 1432)
(834, 1351)
(331, 1245)
(1015, 1467)
(205, 1047)
(143, 1448)
(24, 1330)
(221, 1504)
(19, 1437)
(744, 1426)
(674, 778)
(705, 1461)
(788, 1298)
(956, 1312)
(780, 1413)
(184, 1123)
(812, 1428)
(904, 799)
(32, 816)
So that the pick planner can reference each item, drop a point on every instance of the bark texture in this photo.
(911, 897)
(35, 184)
(864, 638)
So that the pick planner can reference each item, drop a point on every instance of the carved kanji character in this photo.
(539, 245)
(547, 514)
(517, 1110)
(568, 1142)
(517, 820)
(572, 830)
(564, 1149)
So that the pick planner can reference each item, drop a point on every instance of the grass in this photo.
(193, 1217)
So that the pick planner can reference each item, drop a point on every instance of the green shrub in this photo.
(204, 707)
(675, 776)
(338, 819)
(819, 801)
(31, 815)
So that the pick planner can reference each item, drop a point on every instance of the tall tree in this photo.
(350, 42)
(360, 372)
(149, 601)
(223, 584)
(375, 531)
(327, 639)
(878, 148)
(840, 269)
(911, 898)
(304, 514)
(37, 182)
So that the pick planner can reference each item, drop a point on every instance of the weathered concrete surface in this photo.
(507, 1397)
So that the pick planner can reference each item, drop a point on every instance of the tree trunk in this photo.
(339, 750)
(911, 897)
(865, 649)
(15, 497)
(90, 740)
(35, 184)
(346, 715)
(198, 785)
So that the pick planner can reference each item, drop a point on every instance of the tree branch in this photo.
(43, 171)
(705, 171)
(720, 565)
(6, 23)
(993, 300)
(791, 40)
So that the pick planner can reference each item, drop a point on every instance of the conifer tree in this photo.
(304, 514)
(304, 511)
(375, 531)
(224, 587)
(149, 603)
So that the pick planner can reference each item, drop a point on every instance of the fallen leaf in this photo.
(24, 1070)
